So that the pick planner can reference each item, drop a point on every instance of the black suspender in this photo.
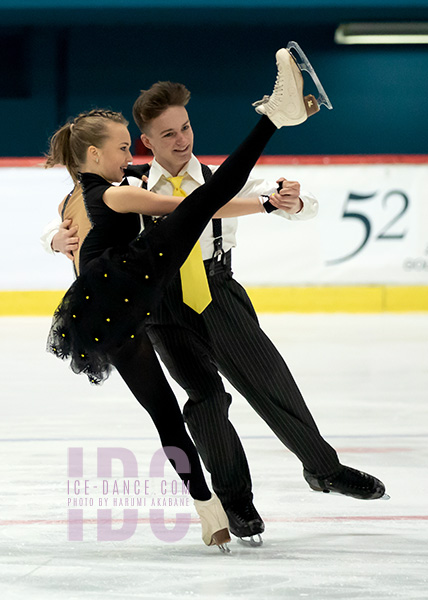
(218, 254)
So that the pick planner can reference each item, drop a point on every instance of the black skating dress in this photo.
(123, 273)
(116, 290)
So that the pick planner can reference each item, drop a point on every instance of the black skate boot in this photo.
(245, 522)
(349, 482)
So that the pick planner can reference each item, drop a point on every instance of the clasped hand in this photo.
(288, 196)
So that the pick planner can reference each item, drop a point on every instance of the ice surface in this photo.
(365, 378)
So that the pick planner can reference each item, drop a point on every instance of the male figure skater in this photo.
(224, 336)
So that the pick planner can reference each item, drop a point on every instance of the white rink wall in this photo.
(372, 228)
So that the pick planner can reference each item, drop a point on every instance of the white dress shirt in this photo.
(193, 178)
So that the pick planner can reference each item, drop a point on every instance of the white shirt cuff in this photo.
(309, 210)
(48, 233)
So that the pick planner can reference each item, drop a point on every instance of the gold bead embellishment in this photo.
(82, 355)
(148, 314)
(87, 297)
(124, 262)
(105, 275)
(108, 320)
(126, 300)
(63, 334)
(160, 253)
(74, 316)
(96, 339)
(132, 336)
(146, 276)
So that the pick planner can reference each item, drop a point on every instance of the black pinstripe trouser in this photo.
(227, 337)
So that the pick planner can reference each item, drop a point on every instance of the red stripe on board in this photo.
(271, 520)
(348, 159)
(21, 162)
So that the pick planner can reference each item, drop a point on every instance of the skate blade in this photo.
(303, 63)
(252, 541)
(221, 538)
(224, 548)
(317, 490)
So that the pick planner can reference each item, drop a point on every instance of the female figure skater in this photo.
(100, 321)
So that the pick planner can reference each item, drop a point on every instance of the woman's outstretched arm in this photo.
(130, 199)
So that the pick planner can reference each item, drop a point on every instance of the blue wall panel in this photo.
(83, 4)
(68, 62)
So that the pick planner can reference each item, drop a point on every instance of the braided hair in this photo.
(69, 144)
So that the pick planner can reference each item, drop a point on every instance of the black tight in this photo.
(142, 373)
(174, 237)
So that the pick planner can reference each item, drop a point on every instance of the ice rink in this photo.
(365, 379)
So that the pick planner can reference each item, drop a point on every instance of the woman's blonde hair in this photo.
(69, 144)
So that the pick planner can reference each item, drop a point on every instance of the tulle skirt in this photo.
(106, 307)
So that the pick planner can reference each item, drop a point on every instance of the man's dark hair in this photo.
(153, 102)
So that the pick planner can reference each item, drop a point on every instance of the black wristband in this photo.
(267, 204)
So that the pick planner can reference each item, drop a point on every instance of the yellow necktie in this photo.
(194, 283)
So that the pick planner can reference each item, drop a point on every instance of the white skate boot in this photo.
(215, 526)
(287, 106)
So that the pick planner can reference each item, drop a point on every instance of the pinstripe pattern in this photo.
(250, 361)
(227, 337)
(134, 362)
(189, 360)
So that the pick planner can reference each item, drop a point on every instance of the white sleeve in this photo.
(309, 210)
(49, 231)
(258, 187)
